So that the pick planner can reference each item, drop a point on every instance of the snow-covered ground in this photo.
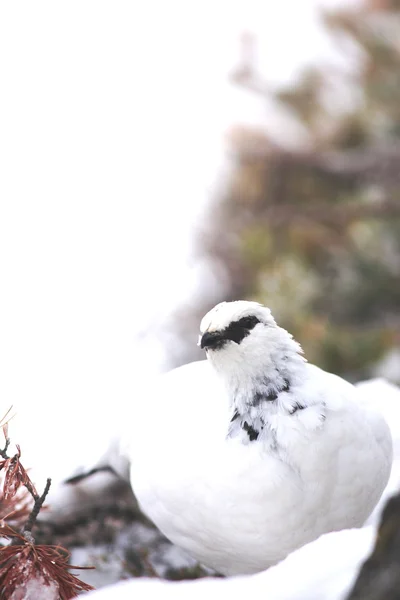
(323, 570)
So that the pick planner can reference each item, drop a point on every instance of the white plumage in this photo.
(386, 396)
(253, 453)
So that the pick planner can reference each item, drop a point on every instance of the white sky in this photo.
(111, 121)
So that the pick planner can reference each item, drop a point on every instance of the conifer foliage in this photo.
(28, 571)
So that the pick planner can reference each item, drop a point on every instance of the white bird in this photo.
(245, 457)
(378, 392)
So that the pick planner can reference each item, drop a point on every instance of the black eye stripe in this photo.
(248, 322)
(238, 330)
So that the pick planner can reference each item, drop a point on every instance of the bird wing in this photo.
(383, 398)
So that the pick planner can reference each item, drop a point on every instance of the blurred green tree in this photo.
(315, 233)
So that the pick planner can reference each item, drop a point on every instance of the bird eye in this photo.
(248, 322)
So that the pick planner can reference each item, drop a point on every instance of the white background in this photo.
(111, 122)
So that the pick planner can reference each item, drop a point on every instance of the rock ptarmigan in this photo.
(253, 453)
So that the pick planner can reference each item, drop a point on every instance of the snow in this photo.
(135, 539)
(323, 570)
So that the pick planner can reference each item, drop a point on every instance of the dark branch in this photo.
(86, 474)
(3, 452)
(36, 507)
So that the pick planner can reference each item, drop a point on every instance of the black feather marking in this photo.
(258, 398)
(296, 407)
(235, 416)
(251, 432)
(271, 396)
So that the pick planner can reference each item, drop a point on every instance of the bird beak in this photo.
(211, 339)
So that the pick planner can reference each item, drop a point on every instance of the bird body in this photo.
(247, 456)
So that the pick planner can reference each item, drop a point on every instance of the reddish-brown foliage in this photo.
(15, 510)
(29, 571)
(15, 476)
(22, 562)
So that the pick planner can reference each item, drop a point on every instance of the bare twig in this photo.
(20, 476)
(4, 426)
(3, 452)
(36, 507)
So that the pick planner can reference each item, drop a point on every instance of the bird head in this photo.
(229, 324)
(244, 335)
(254, 356)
